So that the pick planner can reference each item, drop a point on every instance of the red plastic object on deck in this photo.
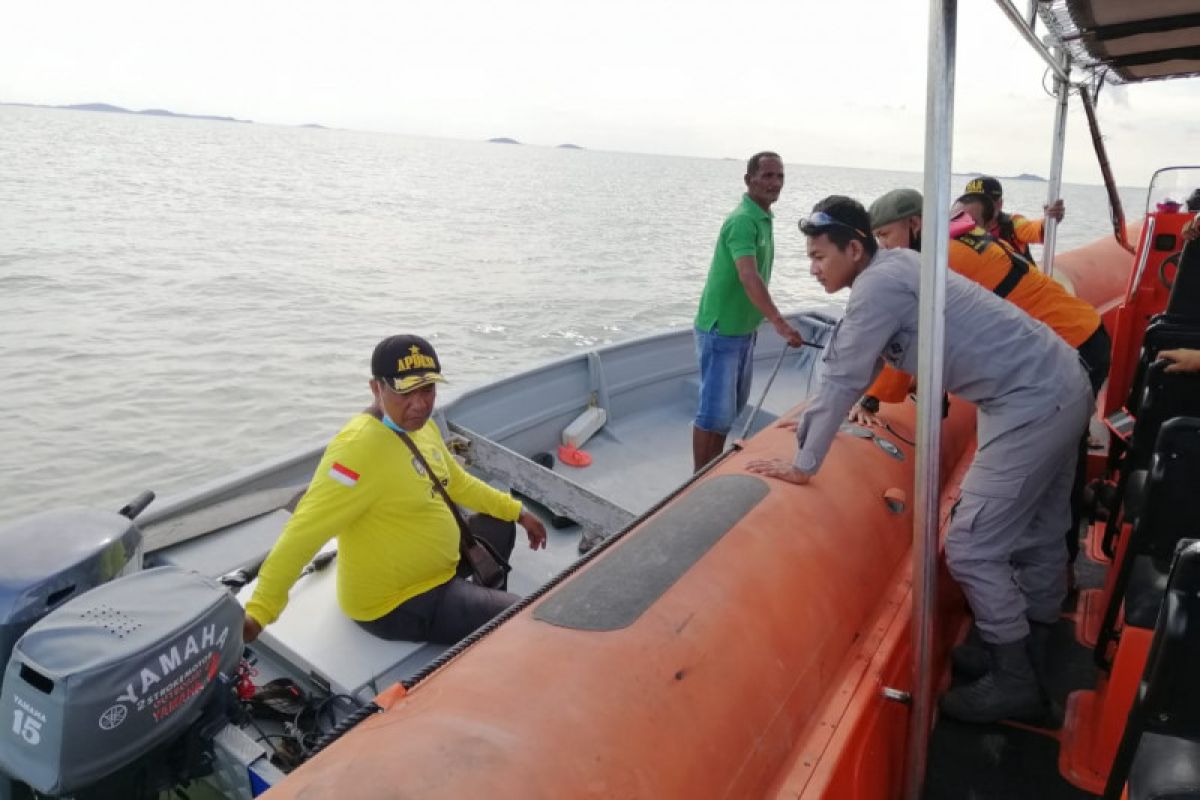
(573, 456)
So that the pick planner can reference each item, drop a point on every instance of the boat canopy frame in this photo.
(1111, 41)
(1127, 42)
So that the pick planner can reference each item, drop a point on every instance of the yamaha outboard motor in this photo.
(56, 555)
(122, 688)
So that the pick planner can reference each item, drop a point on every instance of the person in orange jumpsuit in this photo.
(1016, 231)
(975, 254)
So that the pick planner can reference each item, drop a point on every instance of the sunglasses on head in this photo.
(812, 224)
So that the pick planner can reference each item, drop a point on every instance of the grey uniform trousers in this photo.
(1005, 545)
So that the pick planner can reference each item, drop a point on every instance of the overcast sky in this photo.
(838, 83)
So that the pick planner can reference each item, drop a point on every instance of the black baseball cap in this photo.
(406, 362)
(985, 185)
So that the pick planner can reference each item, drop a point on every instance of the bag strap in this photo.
(467, 539)
(1018, 267)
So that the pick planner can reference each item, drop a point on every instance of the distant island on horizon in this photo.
(509, 140)
(108, 108)
(1024, 176)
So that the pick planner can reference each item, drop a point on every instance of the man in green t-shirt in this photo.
(734, 302)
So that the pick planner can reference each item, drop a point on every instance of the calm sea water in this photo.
(183, 298)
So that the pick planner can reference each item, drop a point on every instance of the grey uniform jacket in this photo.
(1012, 367)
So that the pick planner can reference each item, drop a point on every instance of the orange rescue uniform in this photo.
(979, 257)
(1018, 232)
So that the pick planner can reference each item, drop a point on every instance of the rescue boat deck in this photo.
(1009, 759)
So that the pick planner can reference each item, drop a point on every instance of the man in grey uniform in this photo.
(1004, 545)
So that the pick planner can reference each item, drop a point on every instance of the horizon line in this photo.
(166, 112)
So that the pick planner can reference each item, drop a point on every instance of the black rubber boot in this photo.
(1009, 691)
(971, 659)
(1039, 643)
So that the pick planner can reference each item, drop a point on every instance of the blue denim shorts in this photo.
(726, 365)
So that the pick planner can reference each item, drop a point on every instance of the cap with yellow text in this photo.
(406, 362)
(985, 185)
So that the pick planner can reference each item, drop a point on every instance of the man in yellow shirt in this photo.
(399, 575)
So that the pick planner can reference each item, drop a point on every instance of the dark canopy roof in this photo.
(1137, 40)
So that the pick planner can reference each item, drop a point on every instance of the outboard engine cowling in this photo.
(56, 555)
(114, 674)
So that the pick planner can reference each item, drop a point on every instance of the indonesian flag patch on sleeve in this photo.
(343, 475)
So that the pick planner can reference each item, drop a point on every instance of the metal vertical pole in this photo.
(931, 332)
(1054, 191)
